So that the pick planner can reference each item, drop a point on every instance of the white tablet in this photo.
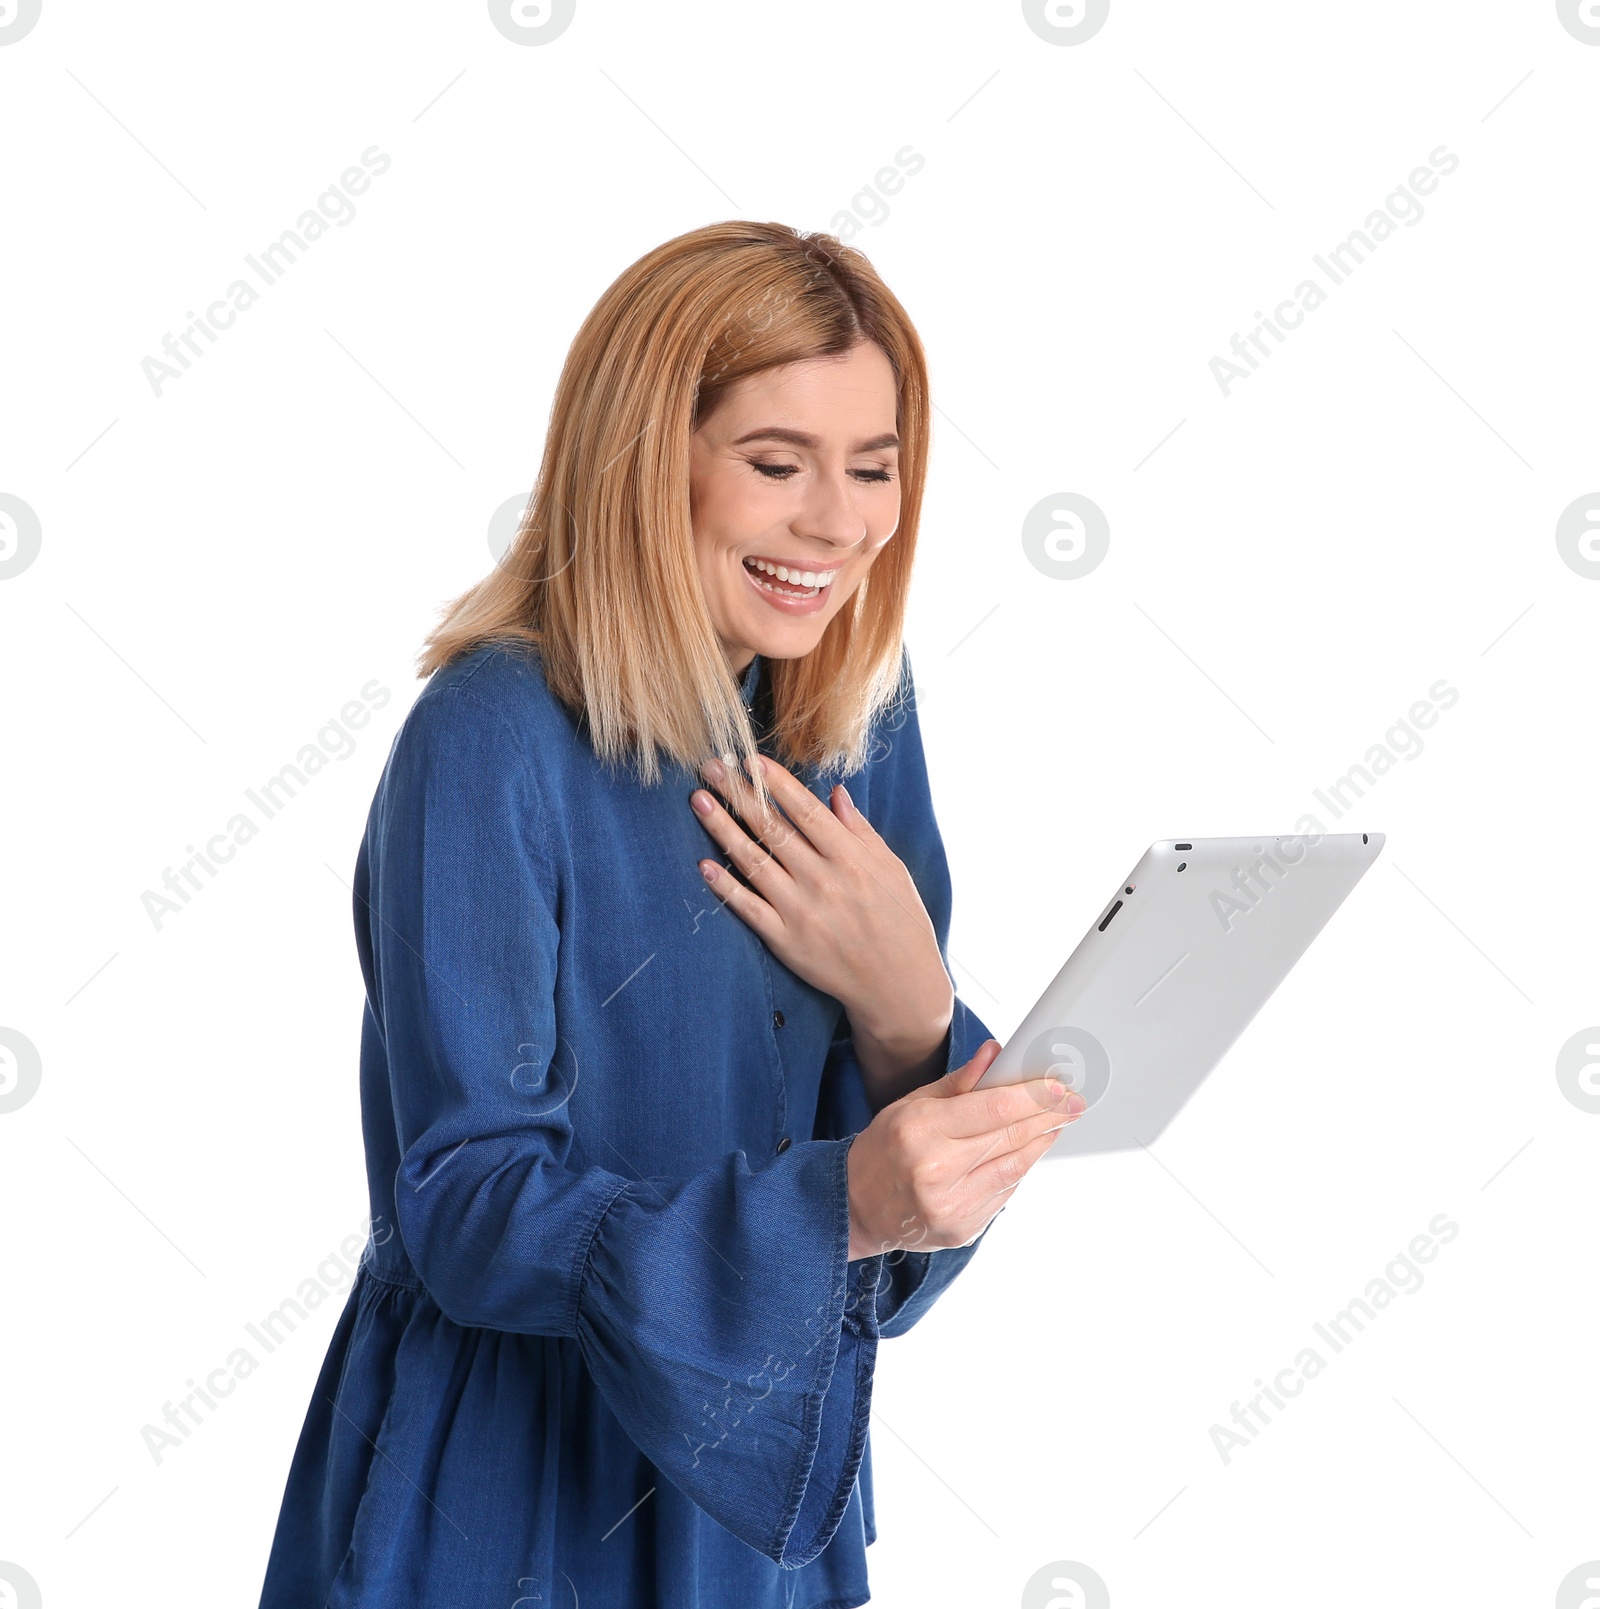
(1189, 949)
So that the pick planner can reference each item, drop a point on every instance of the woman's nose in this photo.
(830, 514)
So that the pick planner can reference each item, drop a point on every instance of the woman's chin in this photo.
(789, 639)
(780, 633)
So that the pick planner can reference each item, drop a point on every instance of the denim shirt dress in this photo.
(605, 1347)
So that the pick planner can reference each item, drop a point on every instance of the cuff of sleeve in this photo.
(913, 1281)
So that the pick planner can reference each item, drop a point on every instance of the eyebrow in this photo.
(801, 438)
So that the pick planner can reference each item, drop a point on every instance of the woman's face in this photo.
(794, 487)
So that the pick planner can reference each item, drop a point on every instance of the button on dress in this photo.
(605, 1347)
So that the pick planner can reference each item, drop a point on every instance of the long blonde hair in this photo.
(601, 575)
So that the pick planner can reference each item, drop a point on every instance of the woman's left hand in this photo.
(837, 906)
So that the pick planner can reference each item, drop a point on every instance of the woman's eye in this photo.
(784, 471)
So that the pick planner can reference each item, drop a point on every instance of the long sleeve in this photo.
(716, 1311)
(899, 804)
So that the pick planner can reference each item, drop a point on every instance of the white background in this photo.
(1291, 567)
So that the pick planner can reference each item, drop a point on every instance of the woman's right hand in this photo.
(933, 1167)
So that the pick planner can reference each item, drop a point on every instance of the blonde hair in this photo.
(601, 576)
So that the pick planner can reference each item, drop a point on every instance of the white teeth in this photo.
(793, 575)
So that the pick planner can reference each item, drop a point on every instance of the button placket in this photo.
(784, 1142)
(781, 1089)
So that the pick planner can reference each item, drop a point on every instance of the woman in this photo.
(665, 1087)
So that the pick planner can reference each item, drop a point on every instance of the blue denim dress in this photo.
(605, 1347)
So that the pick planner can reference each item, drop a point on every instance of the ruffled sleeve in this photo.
(717, 1312)
(899, 804)
(735, 1342)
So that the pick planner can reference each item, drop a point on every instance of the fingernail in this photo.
(1075, 1104)
(847, 799)
(708, 871)
(701, 800)
(712, 771)
(1054, 1089)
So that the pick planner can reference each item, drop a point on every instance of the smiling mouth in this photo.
(788, 580)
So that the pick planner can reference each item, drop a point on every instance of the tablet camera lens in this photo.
(1182, 864)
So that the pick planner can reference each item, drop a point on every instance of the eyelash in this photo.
(781, 472)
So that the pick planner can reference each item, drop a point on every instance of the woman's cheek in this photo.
(840, 599)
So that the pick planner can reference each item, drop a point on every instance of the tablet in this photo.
(1186, 952)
